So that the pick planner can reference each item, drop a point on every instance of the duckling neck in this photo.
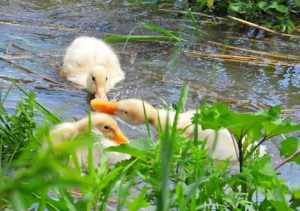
(167, 117)
(151, 114)
(159, 117)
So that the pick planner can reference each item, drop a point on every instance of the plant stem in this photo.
(241, 156)
(288, 159)
(256, 146)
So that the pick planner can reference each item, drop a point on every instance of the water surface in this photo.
(35, 33)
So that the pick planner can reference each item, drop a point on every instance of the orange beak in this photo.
(104, 106)
(120, 138)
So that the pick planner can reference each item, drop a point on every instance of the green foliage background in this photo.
(282, 15)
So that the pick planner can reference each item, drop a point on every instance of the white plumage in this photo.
(92, 64)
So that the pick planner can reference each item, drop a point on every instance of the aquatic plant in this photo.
(164, 35)
(170, 172)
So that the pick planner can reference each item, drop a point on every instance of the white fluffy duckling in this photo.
(220, 144)
(103, 123)
(92, 64)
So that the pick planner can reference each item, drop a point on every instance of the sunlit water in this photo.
(36, 33)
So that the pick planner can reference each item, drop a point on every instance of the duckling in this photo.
(92, 64)
(220, 143)
(103, 123)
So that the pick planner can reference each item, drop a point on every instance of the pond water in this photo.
(34, 34)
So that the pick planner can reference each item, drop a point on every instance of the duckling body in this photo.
(92, 64)
(168, 117)
(220, 144)
(102, 123)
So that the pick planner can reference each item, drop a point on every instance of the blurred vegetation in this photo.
(281, 15)
(16, 130)
(171, 172)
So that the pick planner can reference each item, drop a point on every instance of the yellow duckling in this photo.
(103, 123)
(92, 64)
(134, 111)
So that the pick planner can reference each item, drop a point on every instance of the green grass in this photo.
(164, 35)
(172, 172)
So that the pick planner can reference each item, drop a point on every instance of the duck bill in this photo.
(101, 94)
(104, 106)
(120, 138)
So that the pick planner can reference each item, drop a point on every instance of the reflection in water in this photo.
(35, 33)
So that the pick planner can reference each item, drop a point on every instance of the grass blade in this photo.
(136, 38)
(54, 118)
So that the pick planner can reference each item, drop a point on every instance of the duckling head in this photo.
(109, 128)
(97, 82)
(133, 111)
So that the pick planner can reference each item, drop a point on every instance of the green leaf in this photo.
(297, 3)
(141, 144)
(113, 38)
(295, 201)
(288, 146)
(262, 5)
(239, 124)
(125, 148)
(279, 127)
(235, 7)
(297, 159)
(138, 202)
(279, 7)
(267, 169)
(238, 7)
(210, 3)
(168, 33)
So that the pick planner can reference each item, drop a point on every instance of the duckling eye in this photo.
(125, 112)
(106, 127)
(106, 79)
(93, 78)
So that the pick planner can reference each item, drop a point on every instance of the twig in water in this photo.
(237, 58)
(18, 80)
(16, 65)
(271, 55)
(262, 27)
(11, 57)
(27, 70)
(288, 159)
(49, 27)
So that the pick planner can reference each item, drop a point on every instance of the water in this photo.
(35, 33)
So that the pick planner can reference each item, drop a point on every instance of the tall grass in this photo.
(170, 173)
